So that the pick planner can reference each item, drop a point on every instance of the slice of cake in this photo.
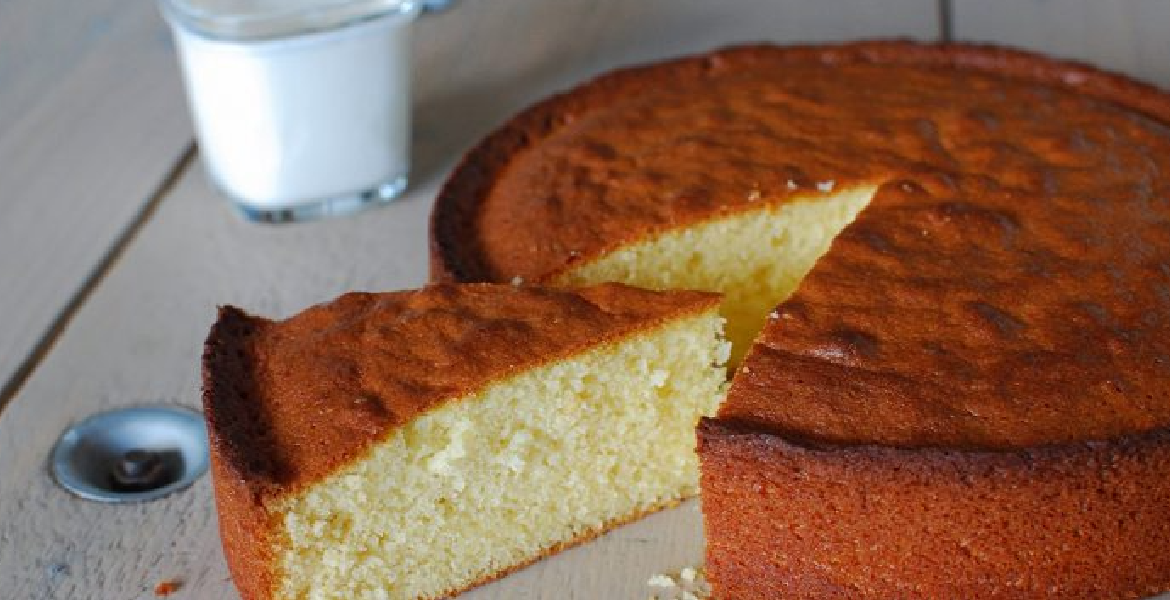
(414, 444)
(968, 396)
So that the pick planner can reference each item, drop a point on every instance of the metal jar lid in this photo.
(131, 454)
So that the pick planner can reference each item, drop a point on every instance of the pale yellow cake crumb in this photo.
(421, 513)
(755, 258)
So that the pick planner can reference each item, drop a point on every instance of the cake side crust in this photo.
(241, 480)
(793, 520)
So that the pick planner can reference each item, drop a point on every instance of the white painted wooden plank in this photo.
(91, 120)
(137, 339)
(1124, 35)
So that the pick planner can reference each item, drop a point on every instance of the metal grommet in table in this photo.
(131, 454)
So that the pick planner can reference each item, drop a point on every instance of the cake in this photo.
(415, 444)
(733, 171)
(967, 393)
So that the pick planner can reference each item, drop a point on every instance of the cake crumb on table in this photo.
(687, 584)
(167, 587)
(662, 581)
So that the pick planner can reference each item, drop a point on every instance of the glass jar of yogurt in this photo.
(301, 107)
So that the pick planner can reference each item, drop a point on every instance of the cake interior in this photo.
(756, 258)
(558, 453)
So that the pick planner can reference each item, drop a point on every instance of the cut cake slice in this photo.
(415, 444)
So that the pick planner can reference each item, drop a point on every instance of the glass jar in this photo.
(301, 107)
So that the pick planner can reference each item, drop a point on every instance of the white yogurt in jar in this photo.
(305, 119)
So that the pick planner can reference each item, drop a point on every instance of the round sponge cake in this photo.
(651, 176)
(968, 392)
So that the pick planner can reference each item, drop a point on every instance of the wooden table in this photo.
(114, 252)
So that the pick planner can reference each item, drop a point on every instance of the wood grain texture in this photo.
(137, 338)
(91, 119)
(1129, 36)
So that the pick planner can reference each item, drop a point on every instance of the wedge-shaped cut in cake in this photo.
(754, 256)
(755, 259)
(414, 444)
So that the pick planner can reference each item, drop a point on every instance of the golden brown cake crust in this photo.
(1017, 296)
(244, 524)
(790, 520)
(650, 149)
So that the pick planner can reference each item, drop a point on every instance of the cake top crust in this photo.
(289, 402)
(650, 149)
(1007, 286)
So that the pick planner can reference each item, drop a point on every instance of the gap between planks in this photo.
(946, 20)
(61, 322)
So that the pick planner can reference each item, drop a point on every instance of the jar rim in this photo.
(257, 20)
